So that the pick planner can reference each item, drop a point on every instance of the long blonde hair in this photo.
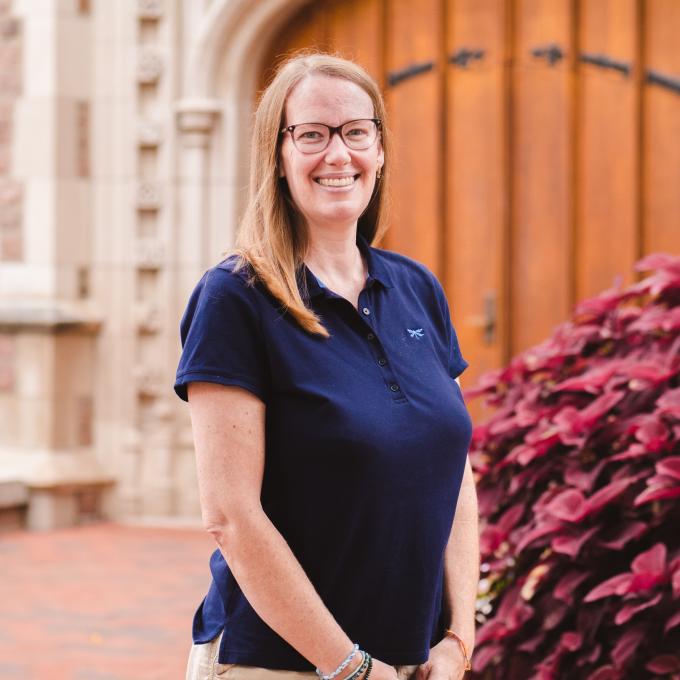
(273, 237)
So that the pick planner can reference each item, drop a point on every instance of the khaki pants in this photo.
(203, 665)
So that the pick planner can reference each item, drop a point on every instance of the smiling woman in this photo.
(330, 169)
(331, 435)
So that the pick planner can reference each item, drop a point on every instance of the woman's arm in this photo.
(461, 563)
(228, 425)
(461, 577)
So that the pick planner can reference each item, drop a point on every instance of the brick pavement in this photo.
(100, 602)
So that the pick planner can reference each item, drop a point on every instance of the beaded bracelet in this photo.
(340, 668)
(453, 634)
(368, 670)
(366, 662)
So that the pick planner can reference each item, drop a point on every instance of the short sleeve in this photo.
(456, 363)
(221, 336)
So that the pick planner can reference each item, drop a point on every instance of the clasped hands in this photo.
(446, 662)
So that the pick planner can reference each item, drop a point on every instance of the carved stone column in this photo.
(195, 119)
(196, 122)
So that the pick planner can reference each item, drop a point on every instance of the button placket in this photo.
(379, 354)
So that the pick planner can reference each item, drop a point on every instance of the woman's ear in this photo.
(381, 157)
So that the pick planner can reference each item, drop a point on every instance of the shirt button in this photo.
(370, 336)
(394, 387)
(382, 361)
(366, 311)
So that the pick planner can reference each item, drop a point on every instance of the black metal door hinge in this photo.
(552, 53)
(396, 77)
(669, 82)
(605, 62)
(464, 56)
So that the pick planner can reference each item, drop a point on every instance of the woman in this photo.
(330, 431)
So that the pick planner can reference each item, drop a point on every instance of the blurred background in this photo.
(538, 158)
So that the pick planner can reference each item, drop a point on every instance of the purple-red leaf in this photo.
(583, 479)
(669, 467)
(571, 545)
(627, 645)
(664, 663)
(537, 532)
(564, 590)
(663, 261)
(616, 585)
(669, 402)
(591, 658)
(569, 506)
(484, 656)
(628, 533)
(571, 640)
(672, 622)
(629, 610)
(676, 583)
(606, 495)
(604, 673)
(593, 380)
(657, 493)
(649, 567)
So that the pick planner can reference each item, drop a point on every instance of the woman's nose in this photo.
(337, 151)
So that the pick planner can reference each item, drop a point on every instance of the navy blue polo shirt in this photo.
(370, 418)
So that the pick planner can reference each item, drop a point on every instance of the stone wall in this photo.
(10, 89)
(123, 159)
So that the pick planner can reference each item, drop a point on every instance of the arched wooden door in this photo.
(538, 146)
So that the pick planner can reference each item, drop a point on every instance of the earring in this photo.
(378, 173)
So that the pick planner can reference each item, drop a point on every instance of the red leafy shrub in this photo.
(579, 488)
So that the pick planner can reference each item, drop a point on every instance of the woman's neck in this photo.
(335, 258)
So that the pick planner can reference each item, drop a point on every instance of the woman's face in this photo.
(333, 101)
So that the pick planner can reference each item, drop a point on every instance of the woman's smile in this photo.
(334, 182)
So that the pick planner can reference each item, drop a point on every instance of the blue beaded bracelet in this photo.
(364, 665)
(340, 668)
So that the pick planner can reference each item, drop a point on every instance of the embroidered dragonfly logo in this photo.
(415, 333)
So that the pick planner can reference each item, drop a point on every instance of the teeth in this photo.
(335, 181)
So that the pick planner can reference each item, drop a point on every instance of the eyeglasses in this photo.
(314, 137)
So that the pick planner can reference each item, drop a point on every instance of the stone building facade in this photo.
(123, 152)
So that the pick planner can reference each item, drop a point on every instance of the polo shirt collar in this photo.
(377, 270)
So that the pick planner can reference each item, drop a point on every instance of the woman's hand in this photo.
(381, 671)
(446, 662)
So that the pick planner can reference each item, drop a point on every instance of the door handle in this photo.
(488, 319)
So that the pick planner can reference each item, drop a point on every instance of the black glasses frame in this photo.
(331, 131)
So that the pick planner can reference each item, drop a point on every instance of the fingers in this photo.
(422, 672)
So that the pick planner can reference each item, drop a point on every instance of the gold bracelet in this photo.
(450, 633)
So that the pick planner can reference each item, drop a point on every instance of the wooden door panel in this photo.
(607, 187)
(355, 30)
(415, 114)
(541, 248)
(528, 178)
(309, 29)
(661, 129)
(475, 176)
